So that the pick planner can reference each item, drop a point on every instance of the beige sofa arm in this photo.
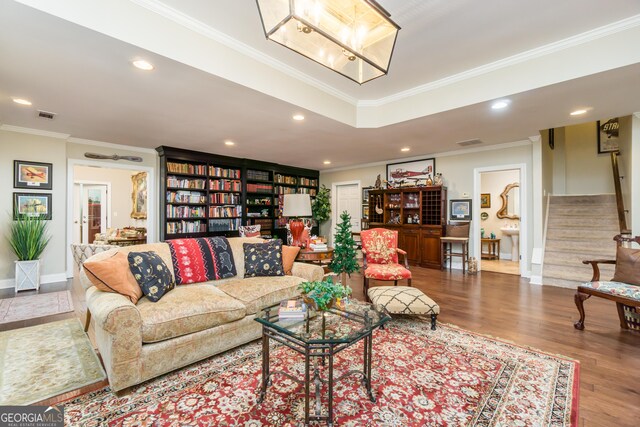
(118, 328)
(309, 272)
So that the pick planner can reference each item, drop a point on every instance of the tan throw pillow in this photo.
(627, 266)
(289, 254)
(113, 275)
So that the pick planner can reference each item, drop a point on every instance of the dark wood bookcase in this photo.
(204, 194)
(418, 213)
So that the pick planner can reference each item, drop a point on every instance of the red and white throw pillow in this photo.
(249, 230)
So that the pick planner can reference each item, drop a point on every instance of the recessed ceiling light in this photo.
(143, 65)
(578, 112)
(405, 149)
(327, 162)
(229, 143)
(298, 117)
(499, 105)
(21, 101)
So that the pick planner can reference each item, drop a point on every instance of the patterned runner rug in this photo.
(33, 306)
(43, 361)
(447, 377)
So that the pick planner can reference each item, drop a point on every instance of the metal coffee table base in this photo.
(325, 353)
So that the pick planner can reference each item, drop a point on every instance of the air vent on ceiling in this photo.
(469, 142)
(46, 114)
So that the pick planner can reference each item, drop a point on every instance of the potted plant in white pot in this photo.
(28, 239)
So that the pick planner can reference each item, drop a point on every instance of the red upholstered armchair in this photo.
(380, 249)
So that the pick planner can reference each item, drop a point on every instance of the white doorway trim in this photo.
(334, 202)
(524, 219)
(152, 201)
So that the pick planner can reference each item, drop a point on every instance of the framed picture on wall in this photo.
(485, 200)
(608, 135)
(32, 175)
(32, 204)
(409, 173)
(460, 210)
(139, 196)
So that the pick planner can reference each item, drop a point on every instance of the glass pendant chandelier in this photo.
(352, 37)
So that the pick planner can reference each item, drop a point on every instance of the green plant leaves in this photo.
(322, 293)
(28, 237)
(321, 205)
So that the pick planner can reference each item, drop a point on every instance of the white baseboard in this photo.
(45, 278)
(505, 256)
(535, 280)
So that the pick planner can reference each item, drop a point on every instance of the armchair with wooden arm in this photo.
(381, 261)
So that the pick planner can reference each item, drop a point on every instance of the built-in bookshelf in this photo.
(207, 194)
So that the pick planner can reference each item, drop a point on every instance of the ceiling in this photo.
(217, 78)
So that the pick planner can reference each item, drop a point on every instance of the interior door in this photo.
(348, 198)
(94, 211)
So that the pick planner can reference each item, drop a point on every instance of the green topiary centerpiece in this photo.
(323, 295)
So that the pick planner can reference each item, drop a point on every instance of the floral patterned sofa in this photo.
(190, 323)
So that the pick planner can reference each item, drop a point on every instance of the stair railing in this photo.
(622, 218)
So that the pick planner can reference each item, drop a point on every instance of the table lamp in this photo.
(295, 207)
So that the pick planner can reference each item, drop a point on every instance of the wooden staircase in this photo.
(579, 228)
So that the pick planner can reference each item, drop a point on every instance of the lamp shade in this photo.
(352, 37)
(296, 205)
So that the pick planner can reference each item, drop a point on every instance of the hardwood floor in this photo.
(507, 307)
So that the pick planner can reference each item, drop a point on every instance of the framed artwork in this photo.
(32, 204)
(139, 196)
(608, 135)
(460, 210)
(409, 173)
(32, 175)
(365, 194)
(485, 200)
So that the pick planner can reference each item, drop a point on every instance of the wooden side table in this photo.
(322, 258)
(493, 249)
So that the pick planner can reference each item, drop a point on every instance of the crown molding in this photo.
(435, 155)
(637, 114)
(111, 145)
(579, 39)
(535, 138)
(200, 27)
(39, 132)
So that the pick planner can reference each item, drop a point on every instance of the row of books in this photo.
(309, 182)
(265, 224)
(225, 185)
(180, 227)
(224, 173)
(185, 211)
(292, 310)
(310, 191)
(285, 190)
(175, 182)
(186, 197)
(224, 224)
(229, 198)
(225, 211)
(260, 188)
(189, 168)
(257, 175)
(285, 179)
(266, 201)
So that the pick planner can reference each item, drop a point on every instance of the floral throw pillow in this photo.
(151, 273)
(263, 259)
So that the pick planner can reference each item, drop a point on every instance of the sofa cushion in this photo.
(185, 310)
(200, 260)
(151, 273)
(113, 275)
(263, 259)
(258, 292)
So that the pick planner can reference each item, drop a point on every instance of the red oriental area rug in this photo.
(447, 377)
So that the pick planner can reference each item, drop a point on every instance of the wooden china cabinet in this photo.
(419, 214)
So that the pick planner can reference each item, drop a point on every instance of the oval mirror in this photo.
(510, 202)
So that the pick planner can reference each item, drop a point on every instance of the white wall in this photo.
(121, 189)
(457, 168)
(21, 146)
(586, 171)
(494, 183)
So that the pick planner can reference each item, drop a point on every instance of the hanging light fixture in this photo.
(352, 37)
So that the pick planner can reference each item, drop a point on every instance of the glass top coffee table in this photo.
(319, 337)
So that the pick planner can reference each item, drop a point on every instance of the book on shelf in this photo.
(292, 309)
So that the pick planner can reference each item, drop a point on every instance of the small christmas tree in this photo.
(344, 255)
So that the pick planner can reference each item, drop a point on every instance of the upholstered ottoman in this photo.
(405, 300)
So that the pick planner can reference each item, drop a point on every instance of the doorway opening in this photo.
(500, 229)
(108, 204)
